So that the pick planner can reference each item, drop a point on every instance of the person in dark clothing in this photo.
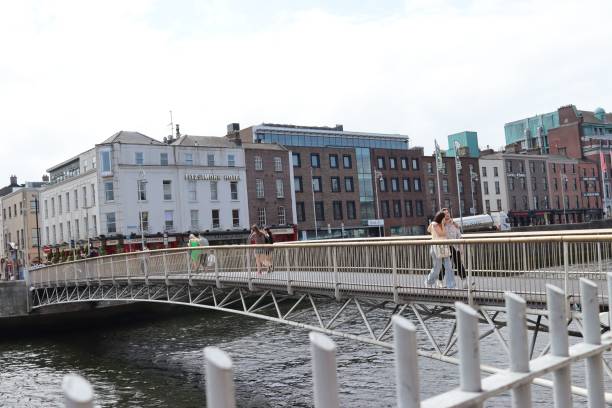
(268, 252)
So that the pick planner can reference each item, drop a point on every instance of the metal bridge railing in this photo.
(473, 390)
(398, 268)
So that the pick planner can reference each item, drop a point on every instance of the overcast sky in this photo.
(72, 73)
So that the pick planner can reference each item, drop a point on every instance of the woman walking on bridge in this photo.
(440, 254)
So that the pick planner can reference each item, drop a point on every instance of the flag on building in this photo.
(439, 162)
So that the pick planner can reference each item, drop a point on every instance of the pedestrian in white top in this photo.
(440, 254)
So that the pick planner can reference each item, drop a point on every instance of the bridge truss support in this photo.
(363, 319)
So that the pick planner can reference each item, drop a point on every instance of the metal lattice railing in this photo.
(394, 269)
(473, 390)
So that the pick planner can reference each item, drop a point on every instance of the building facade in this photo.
(337, 182)
(493, 183)
(131, 185)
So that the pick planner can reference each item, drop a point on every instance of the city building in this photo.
(349, 184)
(493, 183)
(573, 133)
(469, 199)
(20, 223)
(131, 187)
(465, 139)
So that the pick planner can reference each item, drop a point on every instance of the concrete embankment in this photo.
(13, 299)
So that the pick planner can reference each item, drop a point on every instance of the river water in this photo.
(160, 363)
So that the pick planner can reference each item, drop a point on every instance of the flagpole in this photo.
(438, 156)
(457, 168)
(602, 166)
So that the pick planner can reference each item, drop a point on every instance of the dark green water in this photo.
(160, 363)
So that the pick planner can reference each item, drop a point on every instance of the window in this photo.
(259, 188)
(382, 184)
(415, 164)
(297, 184)
(188, 159)
(105, 159)
(93, 194)
(447, 203)
(525, 203)
(139, 158)
(408, 208)
(111, 226)
(348, 184)
(511, 183)
(167, 187)
(68, 229)
(497, 187)
(85, 196)
(295, 158)
(380, 162)
(404, 163)
(495, 172)
(76, 199)
(316, 185)
(235, 218)
(315, 160)
(445, 185)
(258, 163)
(384, 208)
(499, 205)
(392, 163)
(169, 220)
(59, 205)
(278, 164)
(215, 218)
(335, 184)
(77, 231)
(109, 193)
(485, 187)
(532, 166)
(163, 159)
(280, 192)
(210, 160)
(192, 192)
(141, 188)
(281, 216)
(534, 183)
(394, 184)
(319, 211)
(430, 168)
(508, 166)
(351, 214)
(333, 161)
(231, 160)
(487, 206)
(337, 207)
(54, 235)
(299, 209)
(418, 207)
(234, 190)
(346, 161)
(195, 220)
(397, 208)
(48, 240)
(143, 221)
(522, 179)
(61, 234)
(484, 171)
(417, 184)
(521, 167)
(67, 202)
(406, 184)
(46, 211)
(261, 216)
(214, 196)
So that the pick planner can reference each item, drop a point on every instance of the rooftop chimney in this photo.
(13, 180)
(178, 132)
(45, 178)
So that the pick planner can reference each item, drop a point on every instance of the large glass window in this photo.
(351, 213)
(231, 160)
(317, 187)
(167, 186)
(337, 206)
(141, 187)
(349, 187)
(258, 163)
(216, 223)
(139, 158)
(105, 159)
(163, 159)
(346, 161)
(210, 159)
(195, 220)
(76, 199)
(278, 164)
(380, 162)
(333, 161)
(67, 202)
(404, 163)
(415, 164)
(259, 188)
(297, 184)
(236, 218)
(392, 163)
(111, 226)
(143, 221)
(214, 196)
(418, 207)
(234, 190)
(109, 193)
(406, 184)
(280, 192)
(261, 216)
(397, 208)
(169, 220)
(296, 160)
(188, 159)
(300, 212)
(417, 184)
(315, 160)
(394, 184)
(281, 216)
(192, 191)
(335, 184)
(408, 208)
(319, 211)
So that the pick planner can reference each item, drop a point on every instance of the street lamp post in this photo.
(473, 179)
(563, 180)
(457, 169)
(378, 177)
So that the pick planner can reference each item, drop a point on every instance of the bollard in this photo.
(77, 392)
(219, 379)
(406, 363)
(469, 354)
(557, 317)
(519, 349)
(324, 376)
(592, 335)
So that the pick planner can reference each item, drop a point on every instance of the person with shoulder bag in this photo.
(440, 254)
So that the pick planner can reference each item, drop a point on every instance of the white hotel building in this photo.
(131, 182)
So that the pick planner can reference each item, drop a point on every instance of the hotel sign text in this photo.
(212, 177)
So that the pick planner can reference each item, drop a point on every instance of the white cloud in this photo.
(73, 72)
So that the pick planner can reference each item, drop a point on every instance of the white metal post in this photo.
(469, 353)
(592, 335)
(78, 393)
(189, 268)
(336, 276)
(324, 378)
(219, 379)
(519, 349)
(288, 271)
(406, 363)
(248, 266)
(394, 275)
(557, 316)
(217, 279)
(609, 277)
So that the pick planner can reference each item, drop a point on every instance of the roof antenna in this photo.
(171, 127)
